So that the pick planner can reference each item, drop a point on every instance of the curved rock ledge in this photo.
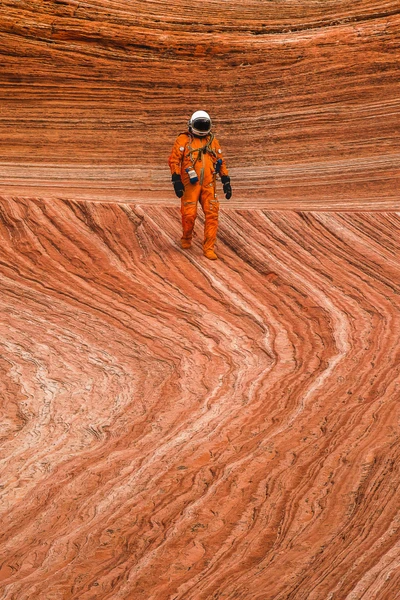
(304, 85)
(176, 428)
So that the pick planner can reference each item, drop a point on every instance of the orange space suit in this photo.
(195, 161)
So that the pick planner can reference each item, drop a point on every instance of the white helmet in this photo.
(200, 123)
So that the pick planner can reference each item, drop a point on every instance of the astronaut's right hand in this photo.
(178, 185)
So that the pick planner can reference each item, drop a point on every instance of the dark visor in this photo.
(202, 124)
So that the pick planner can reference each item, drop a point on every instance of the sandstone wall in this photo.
(305, 95)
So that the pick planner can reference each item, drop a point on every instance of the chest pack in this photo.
(206, 149)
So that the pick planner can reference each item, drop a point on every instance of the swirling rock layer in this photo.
(304, 95)
(174, 428)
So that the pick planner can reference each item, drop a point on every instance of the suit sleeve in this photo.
(224, 169)
(176, 156)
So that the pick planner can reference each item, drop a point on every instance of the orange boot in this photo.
(189, 213)
(210, 206)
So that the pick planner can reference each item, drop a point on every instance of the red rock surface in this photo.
(174, 428)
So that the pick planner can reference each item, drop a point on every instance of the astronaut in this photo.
(195, 161)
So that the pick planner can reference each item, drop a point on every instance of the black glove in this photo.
(226, 181)
(178, 185)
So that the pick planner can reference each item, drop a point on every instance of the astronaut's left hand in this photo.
(226, 182)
